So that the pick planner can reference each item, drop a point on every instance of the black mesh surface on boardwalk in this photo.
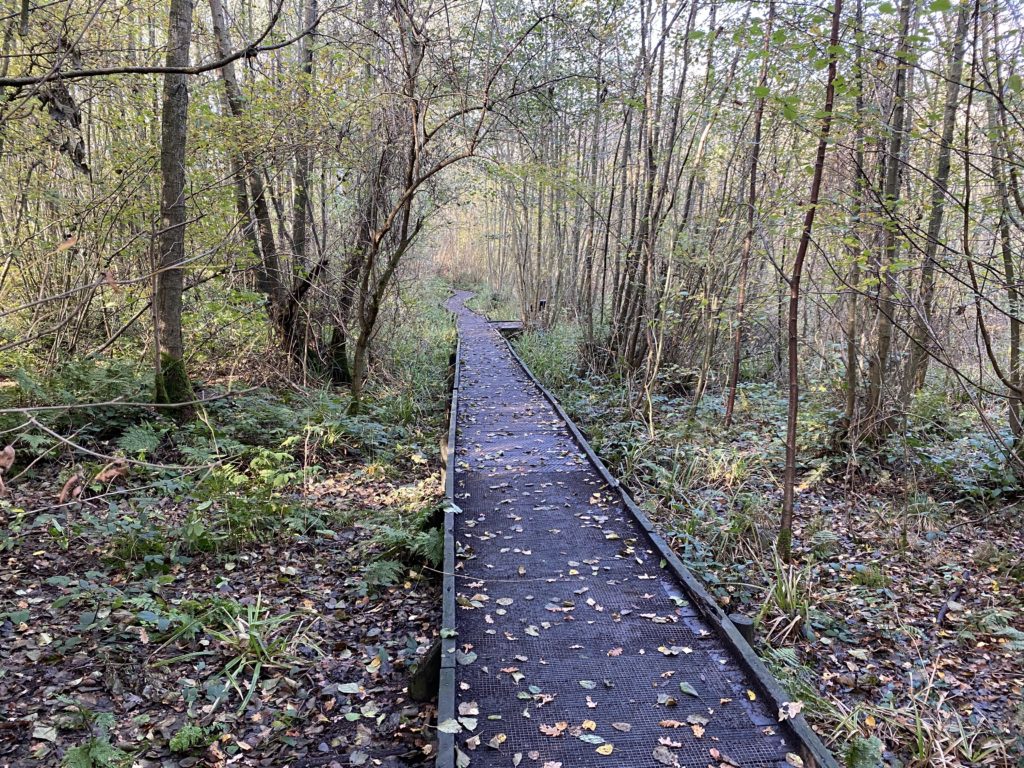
(576, 644)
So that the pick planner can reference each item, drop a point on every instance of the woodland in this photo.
(765, 252)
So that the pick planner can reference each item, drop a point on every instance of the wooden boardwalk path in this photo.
(578, 638)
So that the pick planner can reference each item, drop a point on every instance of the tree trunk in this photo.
(172, 382)
(917, 366)
(890, 200)
(998, 147)
(852, 355)
(300, 210)
(748, 236)
(789, 481)
(260, 224)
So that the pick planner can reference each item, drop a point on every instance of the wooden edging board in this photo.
(810, 747)
(446, 686)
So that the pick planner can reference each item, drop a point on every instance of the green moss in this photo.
(172, 382)
(785, 544)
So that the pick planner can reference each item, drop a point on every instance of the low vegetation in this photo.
(256, 581)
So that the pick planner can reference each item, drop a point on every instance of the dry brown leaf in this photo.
(72, 489)
(6, 458)
(554, 730)
(115, 470)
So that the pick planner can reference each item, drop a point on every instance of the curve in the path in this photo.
(576, 646)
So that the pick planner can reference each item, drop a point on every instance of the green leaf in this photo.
(1014, 83)
(688, 689)
(449, 726)
(761, 91)
(940, 5)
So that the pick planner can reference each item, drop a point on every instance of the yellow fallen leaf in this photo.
(751, 695)
(589, 725)
(870, 721)
(605, 749)
(497, 741)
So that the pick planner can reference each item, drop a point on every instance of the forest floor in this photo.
(901, 620)
(145, 652)
(256, 591)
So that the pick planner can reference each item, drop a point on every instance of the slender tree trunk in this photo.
(258, 218)
(852, 354)
(789, 481)
(998, 162)
(172, 382)
(748, 236)
(890, 200)
(300, 210)
(917, 366)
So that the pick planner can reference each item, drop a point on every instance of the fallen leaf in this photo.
(44, 732)
(605, 749)
(688, 689)
(449, 726)
(497, 741)
(554, 730)
(665, 757)
(624, 727)
(790, 709)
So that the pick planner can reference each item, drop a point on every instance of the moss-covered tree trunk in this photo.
(172, 382)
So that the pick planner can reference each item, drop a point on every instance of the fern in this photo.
(411, 545)
(188, 737)
(383, 573)
(824, 541)
(864, 753)
(1014, 638)
(96, 753)
(140, 440)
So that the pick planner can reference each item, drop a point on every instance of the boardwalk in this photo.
(576, 646)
